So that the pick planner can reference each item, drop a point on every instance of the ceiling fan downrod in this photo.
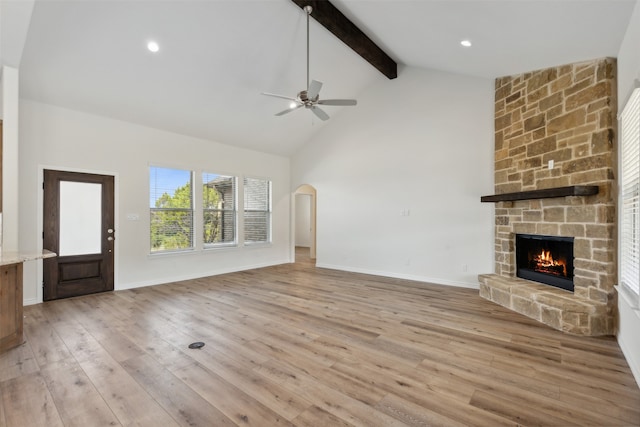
(308, 9)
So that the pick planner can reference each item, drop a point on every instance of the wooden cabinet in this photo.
(10, 306)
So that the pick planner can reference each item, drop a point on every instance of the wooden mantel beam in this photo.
(333, 20)
(547, 193)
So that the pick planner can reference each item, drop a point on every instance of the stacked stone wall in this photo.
(566, 115)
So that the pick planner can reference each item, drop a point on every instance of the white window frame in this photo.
(268, 211)
(629, 197)
(191, 210)
(233, 209)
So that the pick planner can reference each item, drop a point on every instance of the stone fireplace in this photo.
(555, 132)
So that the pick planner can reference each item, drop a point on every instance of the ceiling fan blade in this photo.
(288, 110)
(279, 96)
(338, 102)
(320, 113)
(314, 89)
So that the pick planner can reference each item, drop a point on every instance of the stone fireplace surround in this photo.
(566, 114)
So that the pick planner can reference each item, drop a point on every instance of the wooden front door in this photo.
(79, 227)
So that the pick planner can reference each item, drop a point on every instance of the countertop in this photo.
(7, 258)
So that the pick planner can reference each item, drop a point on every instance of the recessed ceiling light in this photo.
(293, 105)
(153, 46)
(466, 43)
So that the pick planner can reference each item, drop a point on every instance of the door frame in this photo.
(309, 190)
(39, 273)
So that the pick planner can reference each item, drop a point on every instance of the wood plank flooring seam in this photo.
(296, 345)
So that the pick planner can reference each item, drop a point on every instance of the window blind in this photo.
(219, 209)
(171, 209)
(257, 210)
(630, 194)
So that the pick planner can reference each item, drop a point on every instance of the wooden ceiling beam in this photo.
(333, 20)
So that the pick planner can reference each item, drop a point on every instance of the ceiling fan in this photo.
(310, 98)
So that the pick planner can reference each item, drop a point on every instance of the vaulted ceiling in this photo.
(217, 56)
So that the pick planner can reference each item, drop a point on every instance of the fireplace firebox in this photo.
(545, 259)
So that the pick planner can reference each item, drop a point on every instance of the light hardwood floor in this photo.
(296, 345)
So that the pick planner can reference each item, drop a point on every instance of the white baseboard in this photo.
(395, 275)
(153, 282)
(628, 333)
(140, 284)
(133, 285)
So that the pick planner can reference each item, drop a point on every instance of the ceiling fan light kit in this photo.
(310, 98)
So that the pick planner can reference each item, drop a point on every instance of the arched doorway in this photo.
(304, 220)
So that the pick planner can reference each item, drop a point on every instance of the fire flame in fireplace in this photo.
(545, 263)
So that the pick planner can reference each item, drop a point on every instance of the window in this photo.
(219, 209)
(630, 194)
(171, 207)
(257, 210)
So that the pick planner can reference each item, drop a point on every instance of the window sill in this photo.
(258, 245)
(211, 249)
(630, 298)
(220, 247)
(171, 253)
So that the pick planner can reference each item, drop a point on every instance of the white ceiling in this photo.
(217, 56)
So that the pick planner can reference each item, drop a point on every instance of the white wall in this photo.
(628, 311)
(303, 220)
(10, 84)
(15, 17)
(53, 137)
(421, 144)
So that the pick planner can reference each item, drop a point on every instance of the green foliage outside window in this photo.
(213, 215)
(172, 209)
(172, 221)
